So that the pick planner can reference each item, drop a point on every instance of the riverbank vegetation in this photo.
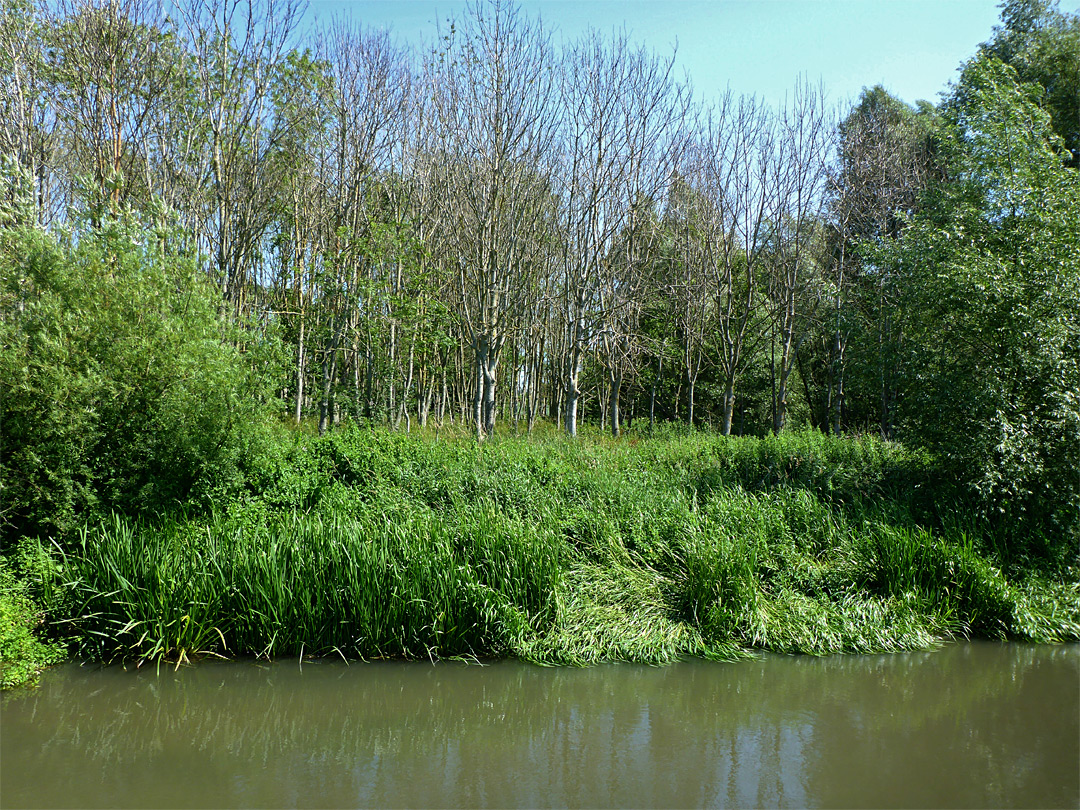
(316, 350)
(369, 543)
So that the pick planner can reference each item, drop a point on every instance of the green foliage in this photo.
(123, 389)
(370, 543)
(991, 308)
(22, 654)
(1042, 45)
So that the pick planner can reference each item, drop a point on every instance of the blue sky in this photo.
(912, 47)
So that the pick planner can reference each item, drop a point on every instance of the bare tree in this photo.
(799, 186)
(237, 48)
(492, 89)
(27, 108)
(366, 241)
(115, 62)
(734, 169)
(623, 116)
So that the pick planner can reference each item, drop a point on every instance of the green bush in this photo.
(22, 654)
(123, 390)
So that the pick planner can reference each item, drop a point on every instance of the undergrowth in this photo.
(371, 544)
(23, 655)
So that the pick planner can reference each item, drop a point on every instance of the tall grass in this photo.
(382, 579)
(371, 544)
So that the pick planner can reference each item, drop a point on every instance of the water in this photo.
(971, 725)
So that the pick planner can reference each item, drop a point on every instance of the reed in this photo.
(389, 579)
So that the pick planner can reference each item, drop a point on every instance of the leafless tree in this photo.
(238, 48)
(799, 186)
(365, 243)
(27, 109)
(492, 86)
(623, 115)
(735, 168)
(115, 65)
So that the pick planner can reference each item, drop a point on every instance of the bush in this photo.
(124, 390)
(22, 654)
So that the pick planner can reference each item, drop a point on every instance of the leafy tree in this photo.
(885, 160)
(991, 305)
(1043, 45)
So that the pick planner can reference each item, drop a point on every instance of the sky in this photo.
(911, 47)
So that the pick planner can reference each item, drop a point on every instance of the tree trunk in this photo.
(729, 406)
(478, 394)
(573, 397)
(652, 393)
(369, 381)
(300, 373)
(787, 345)
(838, 383)
(780, 411)
(489, 398)
(573, 394)
(324, 402)
(613, 403)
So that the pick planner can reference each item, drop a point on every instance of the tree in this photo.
(119, 391)
(1043, 45)
(991, 307)
(27, 114)
(115, 64)
(237, 48)
(493, 97)
(302, 97)
(652, 112)
(800, 181)
(735, 168)
(886, 160)
(685, 282)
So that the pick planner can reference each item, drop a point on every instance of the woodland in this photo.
(514, 345)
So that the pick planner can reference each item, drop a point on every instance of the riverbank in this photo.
(371, 544)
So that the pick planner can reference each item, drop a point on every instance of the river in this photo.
(970, 725)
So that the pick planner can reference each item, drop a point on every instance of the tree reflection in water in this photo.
(976, 724)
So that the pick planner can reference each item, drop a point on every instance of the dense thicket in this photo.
(209, 220)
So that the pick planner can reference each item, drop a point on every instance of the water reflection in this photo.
(971, 725)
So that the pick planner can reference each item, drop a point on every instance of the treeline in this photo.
(499, 226)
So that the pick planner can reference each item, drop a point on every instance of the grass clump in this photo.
(947, 579)
(386, 577)
(620, 613)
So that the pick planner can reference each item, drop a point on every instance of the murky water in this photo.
(972, 725)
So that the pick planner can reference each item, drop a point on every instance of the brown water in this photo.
(971, 725)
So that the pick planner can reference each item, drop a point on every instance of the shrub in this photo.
(123, 388)
(22, 654)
